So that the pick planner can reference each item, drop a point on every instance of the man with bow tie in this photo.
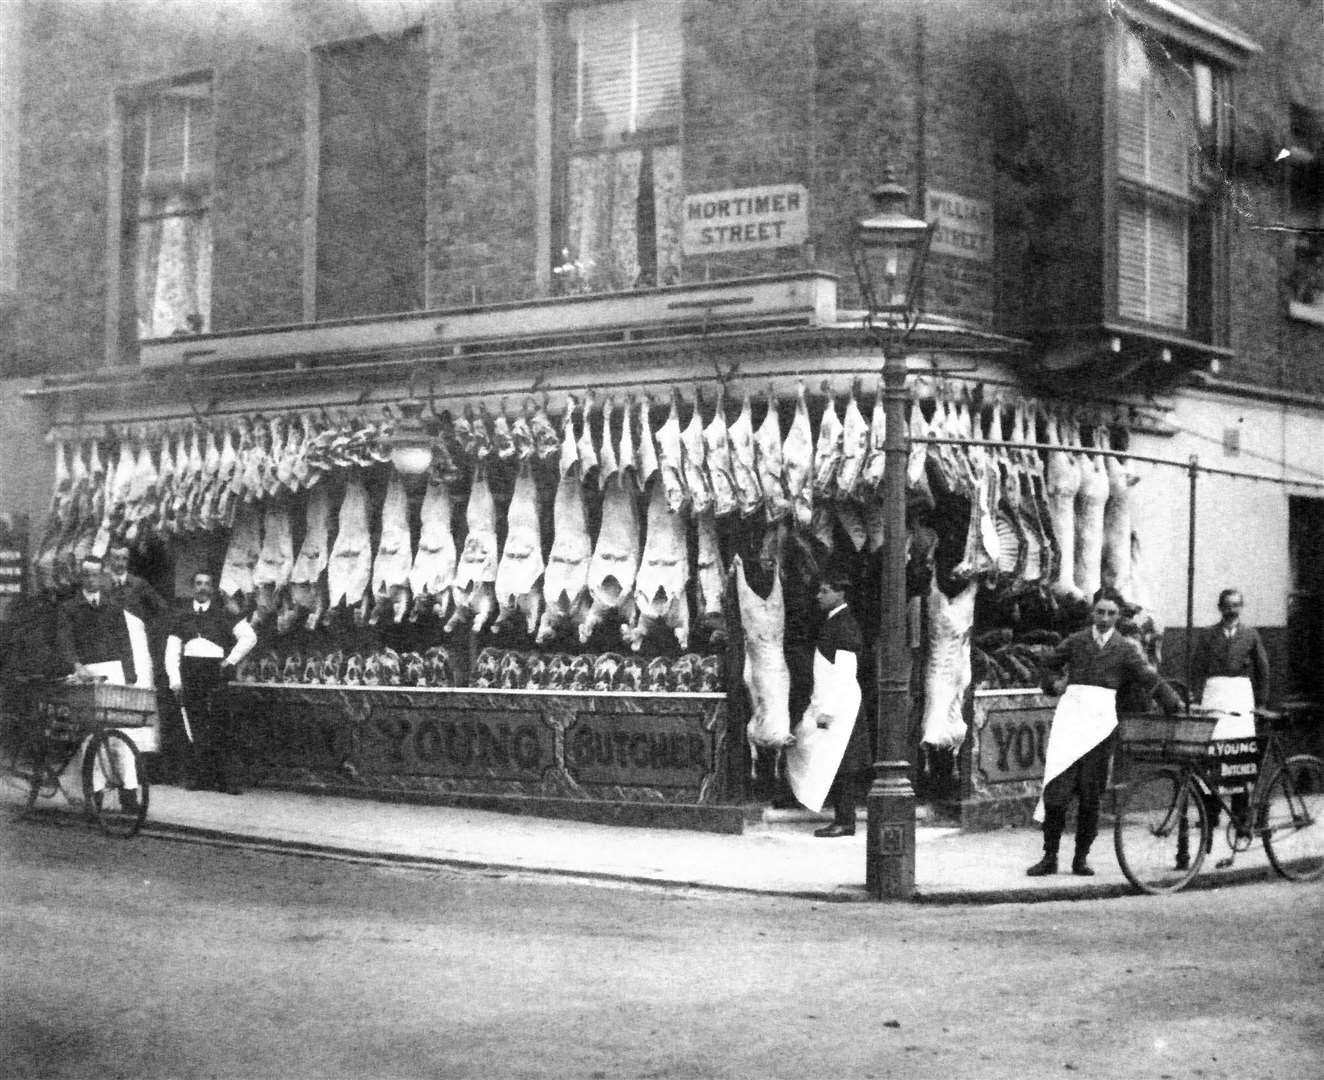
(204, 644)
(98, 638)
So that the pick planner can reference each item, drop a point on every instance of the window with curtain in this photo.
(620, 115)
(1305, 211)
(169, 160)
(1170, 148)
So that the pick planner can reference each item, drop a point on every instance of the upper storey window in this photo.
(1305, 170)
(168, 170)
(619, 115)
(1171, 143)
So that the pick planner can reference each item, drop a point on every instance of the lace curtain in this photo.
(174, 268)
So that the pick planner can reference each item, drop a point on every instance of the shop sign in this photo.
(965, 225)
(640, 749)
(506, 744)
(1013, 743)
(1236, 763)
(742, 219)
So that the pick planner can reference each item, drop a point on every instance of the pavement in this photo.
(777, 855)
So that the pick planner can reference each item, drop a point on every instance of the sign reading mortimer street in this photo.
(745, 218)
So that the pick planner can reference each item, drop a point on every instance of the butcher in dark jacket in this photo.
(1099, 662)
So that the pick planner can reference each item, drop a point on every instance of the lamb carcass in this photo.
(395, 555)
(661, 586)
(646, 463)
(798, 461)
(1091, 504)
(585, 450)
(828, 452)
(670, 465)
(854, 448)
(520, 570)
(1062, 471)
(697, 485)
(766, 674)
(608, 465)
(710, 577)
(242, 554)
(947, 670)
(768, 460)
(306, 587)
(433, 572)
(474, 589)
(349, 571)
(565, 582)
(875, 461)
(744, 461)
(717, 457)
(615, 562)
(275, 561)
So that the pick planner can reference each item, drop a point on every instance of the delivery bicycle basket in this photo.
(69, 709)
(1167, 738)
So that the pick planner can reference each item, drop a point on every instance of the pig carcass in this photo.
(661, 586)
(615, 562)
(1091, 505)
(433, 572)
(710, 577)
(1062, 472)
(766, 674)
(947, 670)
(395, 555)
(474, 589)
(1116, 568)
(520, 571)
(565, 582)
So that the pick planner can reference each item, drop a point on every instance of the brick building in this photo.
(225, 208)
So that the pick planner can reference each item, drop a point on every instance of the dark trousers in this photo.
(844, 794)
(1084, 781)
(213, 760)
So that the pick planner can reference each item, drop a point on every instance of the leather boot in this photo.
(1045, 866)
(1080, 867)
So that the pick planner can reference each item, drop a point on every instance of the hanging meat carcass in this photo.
(798, 461)
(744, 460)
(710, 577)
(584, 449)
(307, 587)
(980, 480)
(1091, 505)
(545, 440)
(875, 460)
(502, 441)
(671, 467)
(229, 465)
(608, 465)
(947, 670)
(828, 452)
(520, 571)
(565, 583)
(1062, 472)
(162, 520)
(771, 463)
(854, 448)
(1116, 561)
(395, 555)
(275, 562)
(646, 463)
(766, 674)
(349, 570)
(241, 556)
(209, 506)
(474, 590)
(692, 451)
(661, 586)
(615, 563)
(717, 457)
(433, 572)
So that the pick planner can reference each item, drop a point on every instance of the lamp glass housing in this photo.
(412, 458)
(889, 252)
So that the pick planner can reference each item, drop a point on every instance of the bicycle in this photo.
(1161, 827)
(61, 715)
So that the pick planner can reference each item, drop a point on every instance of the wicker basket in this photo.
(1166, 738)
(70, 709)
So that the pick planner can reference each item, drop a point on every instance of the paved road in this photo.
(154, 958)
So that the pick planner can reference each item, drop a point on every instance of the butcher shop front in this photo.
(570, 568)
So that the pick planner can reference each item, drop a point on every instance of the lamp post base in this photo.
(890, 850)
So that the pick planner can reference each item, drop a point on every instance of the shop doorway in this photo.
(1305, 602)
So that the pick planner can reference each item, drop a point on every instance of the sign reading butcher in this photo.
(745, 218)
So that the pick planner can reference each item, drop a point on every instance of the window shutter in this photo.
(627, 68)
(1151, 264)
(178, 145)
(1155, 119)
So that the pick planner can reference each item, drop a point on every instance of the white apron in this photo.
(812, 761)
(1233, 698)
(1084, 717)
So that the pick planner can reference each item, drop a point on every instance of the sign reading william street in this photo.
(746, 218)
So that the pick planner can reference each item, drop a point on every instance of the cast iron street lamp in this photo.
(409, 441)
(889, 252)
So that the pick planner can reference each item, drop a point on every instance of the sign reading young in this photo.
(746, 218)
(965, 225)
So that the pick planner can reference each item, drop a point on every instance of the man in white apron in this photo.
(824, 732)
(1230, 674)
(1099, 661)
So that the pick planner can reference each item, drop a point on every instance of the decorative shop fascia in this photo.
(359, 575)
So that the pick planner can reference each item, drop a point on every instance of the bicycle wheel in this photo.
(118, 809)
(1159, 830)
(1291, 812)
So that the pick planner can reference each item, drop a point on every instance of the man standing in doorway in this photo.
(129, 590)
(203, 647)
(1100, 661)
(1230, 674)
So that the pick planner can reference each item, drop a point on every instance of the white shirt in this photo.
(1101, 639)
(245, 638)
